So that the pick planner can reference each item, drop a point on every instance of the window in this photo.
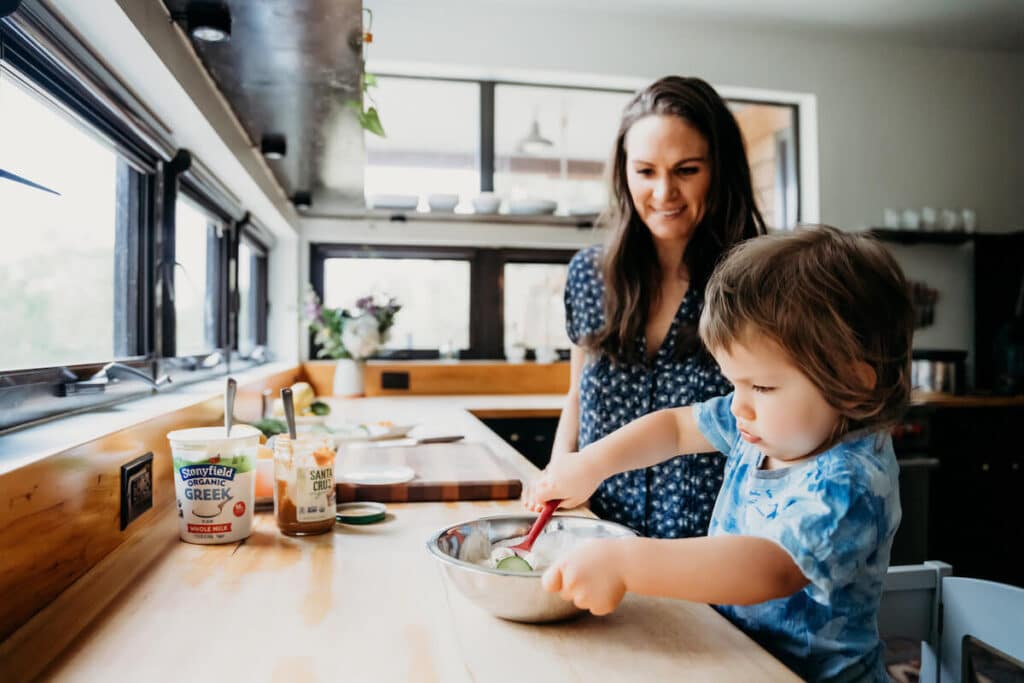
(433, 134)
(534, 305)
(528, 142)
(252, 296)
(476, 302)
(86, 273)
(57, 268)
(246, 320)
(194, 290)
(769, 135)
(433, 293)
(554, 143)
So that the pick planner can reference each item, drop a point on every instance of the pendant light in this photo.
(534, 142)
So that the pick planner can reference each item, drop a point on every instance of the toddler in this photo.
(813, 330)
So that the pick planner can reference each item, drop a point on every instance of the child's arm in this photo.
(727, 570)
(649, 440)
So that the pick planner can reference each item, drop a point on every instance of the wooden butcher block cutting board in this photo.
(443, 472)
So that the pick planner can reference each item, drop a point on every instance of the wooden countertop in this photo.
(370, 603)
(940, 400)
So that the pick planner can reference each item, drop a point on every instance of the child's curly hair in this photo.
(831, 300)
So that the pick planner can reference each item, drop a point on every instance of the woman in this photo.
(681, 197)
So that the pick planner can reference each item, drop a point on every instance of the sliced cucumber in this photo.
(514, 563)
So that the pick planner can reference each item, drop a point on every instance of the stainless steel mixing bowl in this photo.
(511, 595)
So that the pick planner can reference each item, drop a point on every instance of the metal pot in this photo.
(938, 371)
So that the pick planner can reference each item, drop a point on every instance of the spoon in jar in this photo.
(229, 406)
(289, 411)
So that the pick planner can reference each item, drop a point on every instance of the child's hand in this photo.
(589, 577)
(571, 477)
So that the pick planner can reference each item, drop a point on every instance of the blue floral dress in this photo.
(675, 498)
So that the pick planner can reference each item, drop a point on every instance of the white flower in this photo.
(360, 336)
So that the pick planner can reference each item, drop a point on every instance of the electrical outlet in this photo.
(136, 488)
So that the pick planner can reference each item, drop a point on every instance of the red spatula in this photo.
(538, 526)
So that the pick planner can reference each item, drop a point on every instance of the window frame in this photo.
(31, 395)
(40, 53)
(486, 284)
(487, 153)
(243, 233)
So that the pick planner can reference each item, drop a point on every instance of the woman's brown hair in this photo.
(831, 300)
(630, 269)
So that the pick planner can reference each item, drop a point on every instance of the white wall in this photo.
(950, 270)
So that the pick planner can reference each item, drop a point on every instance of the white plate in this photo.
(531, 207)
(385, 474)
(368, 432)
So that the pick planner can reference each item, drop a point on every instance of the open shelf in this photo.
(581, 221)
(920, 236)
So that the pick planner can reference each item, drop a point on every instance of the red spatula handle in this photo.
(538, 526)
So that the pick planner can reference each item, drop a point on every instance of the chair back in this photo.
(909, 615)
(982, 631)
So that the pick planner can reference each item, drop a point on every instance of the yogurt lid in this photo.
(200, 434)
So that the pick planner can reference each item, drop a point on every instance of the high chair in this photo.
(968, 629)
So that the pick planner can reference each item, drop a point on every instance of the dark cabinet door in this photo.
(977, 523)
(532, 437)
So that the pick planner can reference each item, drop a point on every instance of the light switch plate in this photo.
(136, 488)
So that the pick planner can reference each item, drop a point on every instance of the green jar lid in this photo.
(360, 513)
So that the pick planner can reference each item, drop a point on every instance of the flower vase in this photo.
(348, 377)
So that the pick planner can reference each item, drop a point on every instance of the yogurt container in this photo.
(214, 482)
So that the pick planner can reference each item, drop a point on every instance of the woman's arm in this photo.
(725, 570)
(569, 423)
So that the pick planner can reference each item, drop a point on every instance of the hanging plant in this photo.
(368, 116)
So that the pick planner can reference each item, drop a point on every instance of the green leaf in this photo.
(371, 122)
(369, 80)
(355, 104)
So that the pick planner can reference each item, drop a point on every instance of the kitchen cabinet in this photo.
(975, 520)
(531, 436)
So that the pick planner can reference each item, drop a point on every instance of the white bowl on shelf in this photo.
(584, 210)
(442, 202)
(486, 203)
(532, 206)
(394, 202)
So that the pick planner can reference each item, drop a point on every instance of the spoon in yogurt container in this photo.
(229, 406)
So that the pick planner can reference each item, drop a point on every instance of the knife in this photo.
(386, 443)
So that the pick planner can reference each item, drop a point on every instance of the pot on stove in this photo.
(940, 371)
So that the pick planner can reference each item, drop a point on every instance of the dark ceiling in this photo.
(288, 69)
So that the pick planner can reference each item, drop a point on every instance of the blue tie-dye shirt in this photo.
(835, 514)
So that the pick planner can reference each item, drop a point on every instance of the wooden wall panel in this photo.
(320, 374)
(61, 515)
(470, 377)
(441, 378)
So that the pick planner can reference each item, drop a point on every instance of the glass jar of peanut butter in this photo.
(304, 494)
